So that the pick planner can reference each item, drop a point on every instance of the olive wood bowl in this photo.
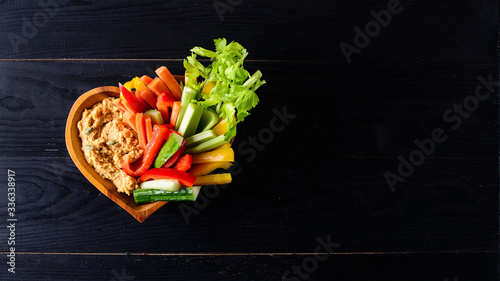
(74, 146)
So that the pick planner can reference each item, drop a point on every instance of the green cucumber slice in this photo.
(164, 184)
(153, 195)
(173, 144)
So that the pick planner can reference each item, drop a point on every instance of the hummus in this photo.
(106, 141)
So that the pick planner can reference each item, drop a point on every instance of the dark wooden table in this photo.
(373, 154)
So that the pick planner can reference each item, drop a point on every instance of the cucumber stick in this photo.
(188, 94)
(200, 137)
(153, 195)
(190, 120)
(207, 146)
(165, 184)
(173, 144)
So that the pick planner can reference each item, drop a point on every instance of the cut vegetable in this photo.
(207, 145)
(187, 96)
(148, 97)
(190, 120)
(184, 163)
(208, 87)
(148, 125)
(208, 120)
(146, 79)
(164, 105)
(153, 195)
(206, 168)
(227, 145)
(158, 87)
(200, 138)
(129, 119)
(220, 155)
(175, 112)
(141, 132)
(170, 81)
(155, 116)
(167, 173)
(165, 184)
(214, 179)
(220, 128)
(135, 104)
(141, 165)
(168, 150)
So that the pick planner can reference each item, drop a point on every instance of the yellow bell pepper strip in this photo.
(214, 179)
(168, 173)
(135, 104)
(221, 155)
(220, 128)
(132, 84)
(224, 146)
(206, 168)
(140, 166)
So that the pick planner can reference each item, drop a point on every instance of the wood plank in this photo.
(448, 204)
(404, 103)
(270, 30)
(435, 267)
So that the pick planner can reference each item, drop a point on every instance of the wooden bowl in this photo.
(74, 146)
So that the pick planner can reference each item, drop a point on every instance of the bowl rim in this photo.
(73, 145)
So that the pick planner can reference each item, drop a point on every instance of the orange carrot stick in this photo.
(170, 81)
(158, 87)
(149, 128)
(176, 108)
(141, 133)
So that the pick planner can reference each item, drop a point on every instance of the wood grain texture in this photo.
(448, 204)
(464, 31)
(402, 103)
(418, 267)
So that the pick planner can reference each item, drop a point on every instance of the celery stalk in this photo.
(207, 146)
(188, 94)
(200, 137)
(190, 120)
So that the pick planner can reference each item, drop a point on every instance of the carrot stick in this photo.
(146, 79)
(149, 98)
(129, 119)
(170, 81)
(176, 108)
(149, 128)
(158, 87)
(119, 104)
(141, 133)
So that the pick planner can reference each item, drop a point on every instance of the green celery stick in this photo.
(200, 137)
(188, 94)
(207, 146)
(208, 120)
(190, 120)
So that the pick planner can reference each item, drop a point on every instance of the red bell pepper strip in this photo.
(184, 178)
(177, 154)
(164, 103)
(136, 104)
(140, 166)
(184, 163)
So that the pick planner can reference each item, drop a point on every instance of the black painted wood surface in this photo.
(319, 177)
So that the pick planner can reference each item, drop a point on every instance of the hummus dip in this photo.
(106, 141)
